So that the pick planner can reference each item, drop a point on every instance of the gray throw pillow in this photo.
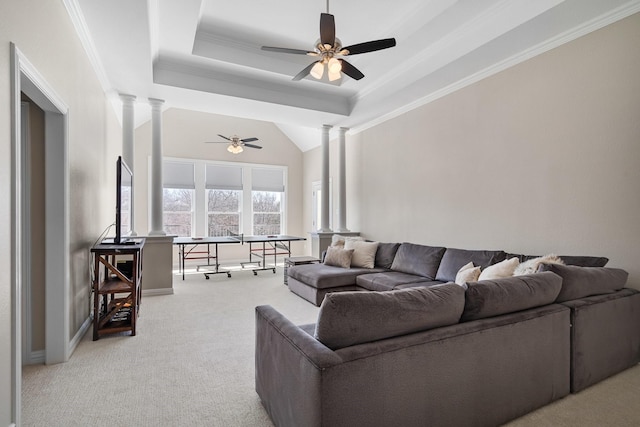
(386, 253)
(490, 298)
(349, 318)
(418, 259)
(581, 282)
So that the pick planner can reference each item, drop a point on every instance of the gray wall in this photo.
(540, 158)
(45, 35)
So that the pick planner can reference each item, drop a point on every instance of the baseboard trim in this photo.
(79, 335)
(157, 292)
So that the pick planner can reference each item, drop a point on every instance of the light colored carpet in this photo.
(192, 364)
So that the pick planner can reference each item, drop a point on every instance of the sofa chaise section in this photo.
(313, 281)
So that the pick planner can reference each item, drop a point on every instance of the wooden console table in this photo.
(117, 287)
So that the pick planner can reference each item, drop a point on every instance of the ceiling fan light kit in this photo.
(236, 145)
(328, 47)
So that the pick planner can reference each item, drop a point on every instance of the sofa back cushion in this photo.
(385, 254)
(580, 261)
(580, 282)
(490, 298)
(418, 259)
(349, 318)
(453, 259)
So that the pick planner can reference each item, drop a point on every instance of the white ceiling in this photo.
(205, 55)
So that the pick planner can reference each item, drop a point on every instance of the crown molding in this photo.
(80, 25)
(602, 21)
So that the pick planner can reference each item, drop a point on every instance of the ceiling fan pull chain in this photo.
(327, 6)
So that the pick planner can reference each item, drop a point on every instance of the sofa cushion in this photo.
(349, 318)
(422, 284)
(338, 257)
(418, 259)
(322, 276)
(581, 261)
(500, 296)
(364, 253)
(453, 259)
(386, 281)
(385, 254)
(580, 282)
(500, 270)
(531, 266)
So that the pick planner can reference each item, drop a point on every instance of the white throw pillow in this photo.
(338, 240)
(498, 271)
(531, 266)
(364, 253)
(338, 257)
(467, 273)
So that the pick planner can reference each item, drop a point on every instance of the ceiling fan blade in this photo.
(327, 29)
(252, 146)
(304, 72)
(287, 50)
(249, 139)
(371, 46)
(224, 137)
(350, 70)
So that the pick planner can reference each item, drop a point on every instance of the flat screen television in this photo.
(124, 201)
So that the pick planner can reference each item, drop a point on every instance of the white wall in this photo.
(184, 134)
(540, 158)
(45, 35)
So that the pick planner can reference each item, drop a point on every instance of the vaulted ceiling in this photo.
(206, 55)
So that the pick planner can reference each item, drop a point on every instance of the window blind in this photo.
(267, 179)
(223, 177)
(178, 175)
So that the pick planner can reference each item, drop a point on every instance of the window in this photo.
(224, 199)
(178, 211)
(178, 191)
(267, 214)
(215, 198)
(223, 212)
(267, 194)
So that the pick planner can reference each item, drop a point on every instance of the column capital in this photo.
(155, 102)
(343, 130)
(326, 127)
(126, 98)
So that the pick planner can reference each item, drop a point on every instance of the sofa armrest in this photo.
(289, 365)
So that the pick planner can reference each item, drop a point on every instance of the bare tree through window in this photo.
(267, 212)
(223, 212)
(178, 211)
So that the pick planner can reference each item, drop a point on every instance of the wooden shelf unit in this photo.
(117, 289)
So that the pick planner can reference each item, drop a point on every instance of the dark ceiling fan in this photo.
(235, 143)
(329, 49)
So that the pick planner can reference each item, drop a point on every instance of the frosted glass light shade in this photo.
(334, 75)
(235, 149)
(334, 65)
(317, 70)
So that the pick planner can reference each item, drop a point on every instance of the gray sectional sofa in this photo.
(431, 352)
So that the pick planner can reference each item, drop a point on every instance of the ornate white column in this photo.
(156, 167)
(127, 142)
(342, 196)
(324, 185)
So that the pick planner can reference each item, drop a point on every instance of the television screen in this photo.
(124, 199)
